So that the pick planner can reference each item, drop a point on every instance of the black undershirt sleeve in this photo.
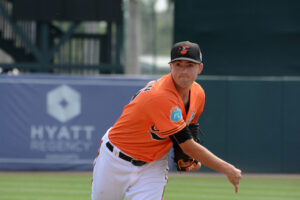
(181, 136)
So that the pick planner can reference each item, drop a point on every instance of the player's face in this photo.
(184, 72)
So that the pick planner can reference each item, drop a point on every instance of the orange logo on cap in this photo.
(183, 49)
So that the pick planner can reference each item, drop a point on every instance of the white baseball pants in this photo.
(117, 179)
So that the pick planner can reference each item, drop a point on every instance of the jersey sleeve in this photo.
(165, 115)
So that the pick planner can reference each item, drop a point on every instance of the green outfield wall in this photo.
(253, 122)
(55, 122)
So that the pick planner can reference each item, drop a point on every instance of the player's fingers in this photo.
(236, 188)
(186, 164)
(197, 166)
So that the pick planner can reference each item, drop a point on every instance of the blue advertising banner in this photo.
(55, 122)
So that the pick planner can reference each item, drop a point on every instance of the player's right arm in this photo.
(200, 153)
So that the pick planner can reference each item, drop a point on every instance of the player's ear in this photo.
(171, 66)
(200, 68)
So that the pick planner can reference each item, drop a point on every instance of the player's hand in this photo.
(234, 176)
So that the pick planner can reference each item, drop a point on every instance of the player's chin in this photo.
(185, 83)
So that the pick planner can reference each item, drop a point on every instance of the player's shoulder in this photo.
(164, 87)
(198, 89)
(161, 93)
(156, 91)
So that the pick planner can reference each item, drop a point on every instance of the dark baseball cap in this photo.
(186, 51)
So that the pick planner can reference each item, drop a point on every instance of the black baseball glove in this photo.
(184, 162)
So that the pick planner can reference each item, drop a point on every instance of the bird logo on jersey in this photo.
(183, 49)
(154, 135)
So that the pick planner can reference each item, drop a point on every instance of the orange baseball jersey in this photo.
(143, 129)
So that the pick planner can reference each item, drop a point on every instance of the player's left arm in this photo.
(184, 162)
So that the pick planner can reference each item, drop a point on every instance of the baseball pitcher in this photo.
(132, 160)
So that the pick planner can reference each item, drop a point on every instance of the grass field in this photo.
(77, 186)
